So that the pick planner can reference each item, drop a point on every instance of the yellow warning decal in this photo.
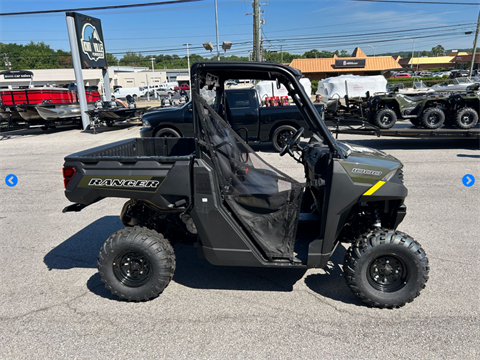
(374, 188)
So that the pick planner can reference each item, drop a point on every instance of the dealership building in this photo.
(358, 64)
(125, 76)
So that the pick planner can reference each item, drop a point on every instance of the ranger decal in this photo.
(152, 184)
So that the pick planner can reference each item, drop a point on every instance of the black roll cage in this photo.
(215, 73)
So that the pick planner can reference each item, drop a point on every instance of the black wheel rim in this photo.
(283, 137)
(433, 119)
(132, 268)
(386, 119)
(466, 119)
(388, 273)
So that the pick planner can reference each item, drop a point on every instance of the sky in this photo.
(297, 26)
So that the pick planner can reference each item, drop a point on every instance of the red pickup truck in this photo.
(183, 86)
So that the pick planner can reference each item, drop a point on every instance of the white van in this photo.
(134, 92)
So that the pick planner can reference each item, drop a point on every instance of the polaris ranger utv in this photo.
(215, 192)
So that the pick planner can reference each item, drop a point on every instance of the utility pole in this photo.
(188, 61)
(475, 45)
(256, 31)
(7, 63)
(281, 54)
(216, 27)
(153, 78)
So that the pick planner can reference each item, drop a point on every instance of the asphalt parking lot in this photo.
(53, 304)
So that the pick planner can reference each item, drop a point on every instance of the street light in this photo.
(208, 46)
(413, 50)
(226, 45)
(188, 60)
(373, 47)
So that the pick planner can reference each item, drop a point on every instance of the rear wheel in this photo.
(168, 132)
(466, 118)
(385, 118)
(432, 118)
(386, 268)
(281, 135)
(136, 263)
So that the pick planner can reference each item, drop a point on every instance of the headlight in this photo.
(145, 123)
(395, 176)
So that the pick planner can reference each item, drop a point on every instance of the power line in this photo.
(97, 8)
(418, 2)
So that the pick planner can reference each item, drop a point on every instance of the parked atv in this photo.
(463, 108)
(215, 192)
(424, 110)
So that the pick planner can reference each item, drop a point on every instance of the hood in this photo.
(367, 165)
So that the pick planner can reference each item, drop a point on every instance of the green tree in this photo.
(344, 53)
(438, 50)
(131, 59)
(425, 53)
(312, 54)
(111, 60)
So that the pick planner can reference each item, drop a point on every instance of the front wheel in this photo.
(136, 263)
(168, 132)
(386, 268)
(281, 135)
(385, 118)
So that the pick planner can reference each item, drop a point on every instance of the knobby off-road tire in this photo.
(281, 135)
(136, 263)
(386, 268)
(432, 118)
(466, 118)
(385, 118)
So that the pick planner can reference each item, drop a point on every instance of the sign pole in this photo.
(77, 66)
(107, 95)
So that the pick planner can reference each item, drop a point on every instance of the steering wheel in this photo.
(292, 141)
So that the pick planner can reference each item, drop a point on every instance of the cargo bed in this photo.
(120, 170)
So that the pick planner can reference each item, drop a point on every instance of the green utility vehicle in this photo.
(429, 111)
(463, 108)
(213, 191)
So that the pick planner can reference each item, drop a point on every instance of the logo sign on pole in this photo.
(17, 74)
(90, 41)
(350, 63)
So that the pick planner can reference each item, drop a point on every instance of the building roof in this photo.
(358, 53)
(431, 60)
(465, 58)
(328, 64)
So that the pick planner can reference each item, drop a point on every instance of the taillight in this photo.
(68, 173)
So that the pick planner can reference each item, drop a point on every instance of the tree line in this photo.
(42, 56)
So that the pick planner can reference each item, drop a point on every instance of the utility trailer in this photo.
(361, 127)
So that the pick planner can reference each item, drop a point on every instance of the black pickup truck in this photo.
(245, 115)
